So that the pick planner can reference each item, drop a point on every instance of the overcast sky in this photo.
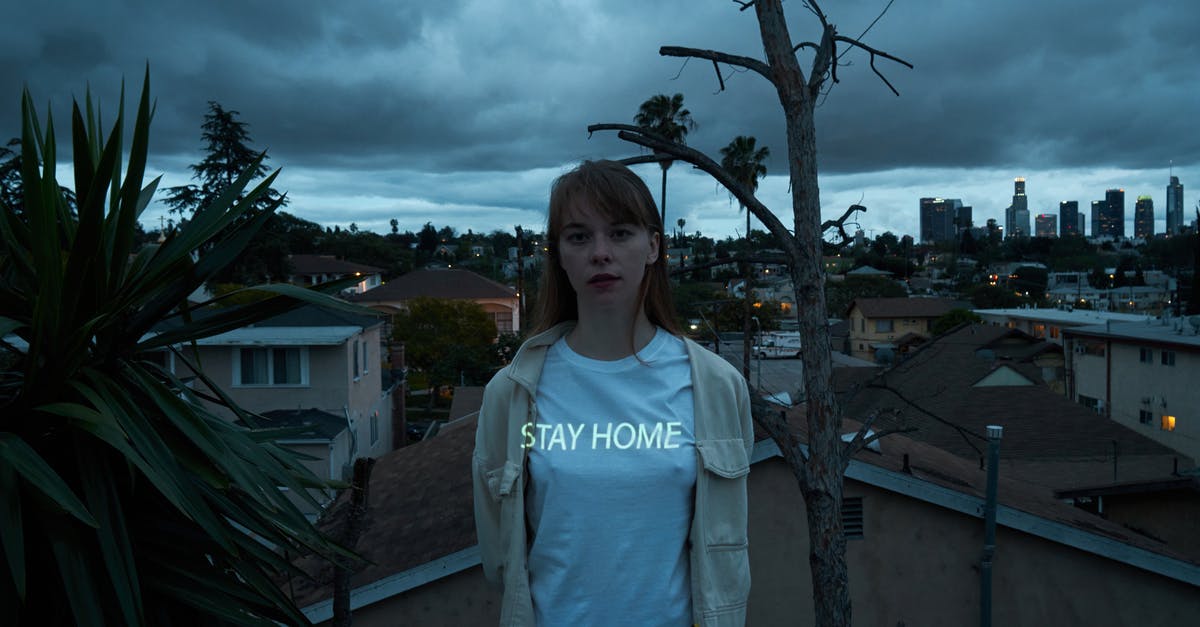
(461, 112)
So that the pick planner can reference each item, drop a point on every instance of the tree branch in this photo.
(712, 55)
(648, 139)
(874, 53)
(961, 431)
(745, 5)
(840, 223)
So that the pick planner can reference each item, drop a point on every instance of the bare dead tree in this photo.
(820, 472)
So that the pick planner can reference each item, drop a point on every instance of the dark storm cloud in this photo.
(413, 99)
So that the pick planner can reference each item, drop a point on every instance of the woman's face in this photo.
(604, 261)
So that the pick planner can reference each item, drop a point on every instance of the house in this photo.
(1166, 509)
(502, 303)
(312, 367)
(1142, 375)
(881, 328)
(914, 536)
(948, 391)
(1048, 323)
(313, 269)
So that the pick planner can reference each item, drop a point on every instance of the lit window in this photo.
(1168, 423)
(270, 366)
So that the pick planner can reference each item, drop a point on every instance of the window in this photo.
(365, 359)
(275, 366)
(354, 361)
(1145, 417)
(1168, 358)
(374, 427)
(862, 324)
(1039, 330)
(852, 517)
(1090, 402)
(1054, 332)
(1168, 423)
(884, 326)
(1146, 356)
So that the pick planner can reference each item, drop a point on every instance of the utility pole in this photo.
(520, 277)
(994, 433)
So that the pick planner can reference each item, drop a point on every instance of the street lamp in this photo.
(758, 328)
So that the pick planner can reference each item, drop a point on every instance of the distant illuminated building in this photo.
(1097, 209)
(938, 216)
(1016, 217)
(1068, 218)
(1174, 207)
(1046, 225)
(1143, 217)
(1112, 214)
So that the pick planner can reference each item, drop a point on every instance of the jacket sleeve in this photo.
(745, 419)
(486, 462)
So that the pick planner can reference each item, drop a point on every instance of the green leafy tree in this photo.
(227, 157)
(10, 176)
(839, 294)
(953, 318)
(127, 501)
(448, 340)
(665, 116)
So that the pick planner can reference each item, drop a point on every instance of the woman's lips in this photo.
(603, 280)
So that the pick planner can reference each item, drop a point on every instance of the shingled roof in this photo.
(448, 283)
(327, 264)
(1048, 439)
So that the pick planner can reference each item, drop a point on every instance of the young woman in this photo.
(611, 454)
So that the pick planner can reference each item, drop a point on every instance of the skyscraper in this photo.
(1097, 209)
(1174, 207)
(1016, 218)
(963, 220)
(1082, 223)
(937, 219)
(1143, 217)
(1112, 214)
(1068, 218)
(1046, 224)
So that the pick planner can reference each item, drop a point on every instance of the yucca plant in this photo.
(124, 500)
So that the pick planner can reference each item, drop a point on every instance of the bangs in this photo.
(612, 191)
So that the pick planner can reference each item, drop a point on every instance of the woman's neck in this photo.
(607, 337)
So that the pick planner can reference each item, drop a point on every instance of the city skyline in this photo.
(463, 112)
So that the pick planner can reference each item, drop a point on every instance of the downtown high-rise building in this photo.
(938, 219)
(1016, 217)
(1068, 218)
(1097, 209)
(1112, 214)
(1174, 208)
(963, 220)
(1143, 217)
(1046, 225)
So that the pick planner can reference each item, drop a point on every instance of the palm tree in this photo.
(744, 161)
(125, 500)
(665, 116)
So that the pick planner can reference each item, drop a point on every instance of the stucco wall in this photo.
(1132, 381)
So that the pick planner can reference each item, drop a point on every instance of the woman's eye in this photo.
(576, 237)
(621, 233)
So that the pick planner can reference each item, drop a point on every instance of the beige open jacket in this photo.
(720, 567)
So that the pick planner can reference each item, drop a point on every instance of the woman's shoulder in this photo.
(709, 364)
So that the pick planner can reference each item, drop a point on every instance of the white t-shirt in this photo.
(612, 467)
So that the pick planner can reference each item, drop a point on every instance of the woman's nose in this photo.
(601, 249)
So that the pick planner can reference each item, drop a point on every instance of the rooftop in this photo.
(906, 307)
(327, 264)
(1076, 317)
(1176, 331)
(436, 283)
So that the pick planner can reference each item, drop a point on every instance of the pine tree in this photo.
(227, 155)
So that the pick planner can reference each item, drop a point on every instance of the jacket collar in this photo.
(526, 366)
